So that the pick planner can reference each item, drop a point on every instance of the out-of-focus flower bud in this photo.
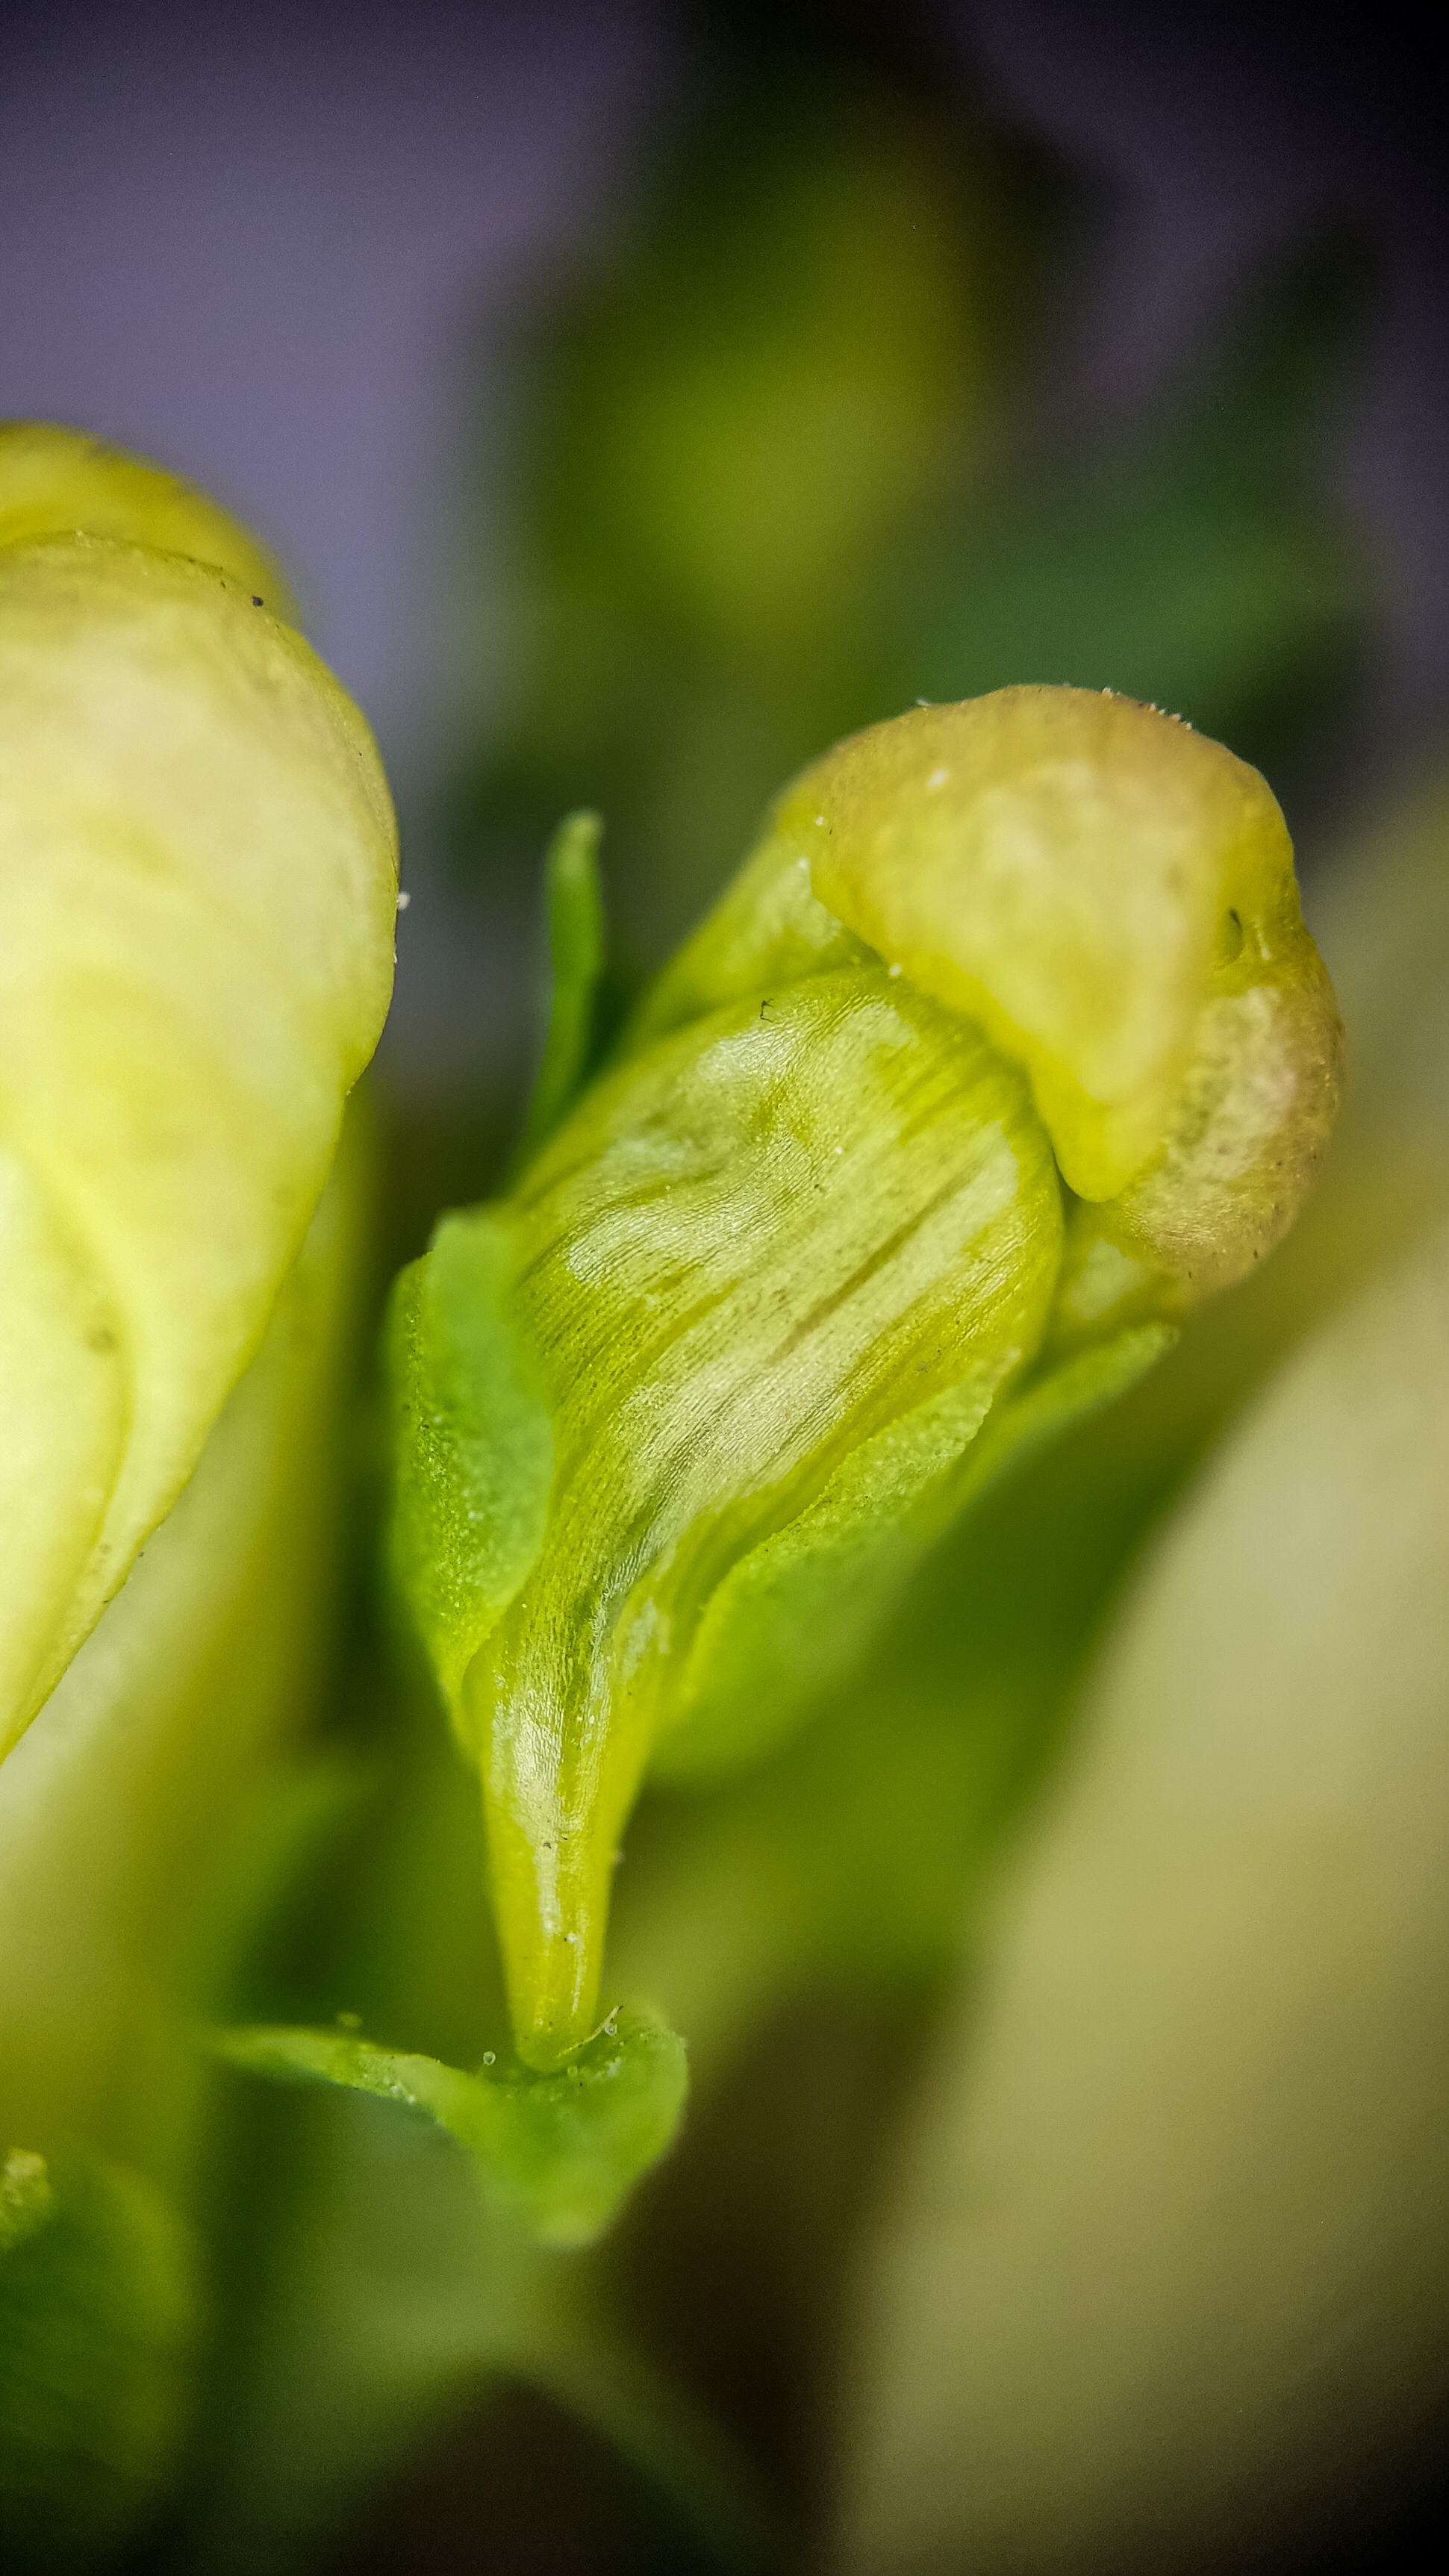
(56, 482)
(197, 889)
(1008, 1039)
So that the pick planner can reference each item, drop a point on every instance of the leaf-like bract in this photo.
(556, 2152)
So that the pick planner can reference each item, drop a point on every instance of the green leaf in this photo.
(97, 2318)
(558, 2152)
(575, 907)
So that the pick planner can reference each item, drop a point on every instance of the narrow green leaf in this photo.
(575, 907)
(558, 2152)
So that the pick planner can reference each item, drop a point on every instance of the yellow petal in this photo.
(56, 482)
(197, 890)
(1056, 864)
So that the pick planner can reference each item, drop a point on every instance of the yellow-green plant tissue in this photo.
(197, 904)
(1006, 1044)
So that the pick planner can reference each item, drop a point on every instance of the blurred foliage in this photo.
(796, 354)
(1172, 2210)
(97, 2321)
(794, 456)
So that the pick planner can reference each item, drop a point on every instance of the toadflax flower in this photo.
(1006, 1044)
(197, 899)
(197, 885)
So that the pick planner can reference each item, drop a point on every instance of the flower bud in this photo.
(1008, 1034)
(197, 888)
(56, 482)
(1111, 898)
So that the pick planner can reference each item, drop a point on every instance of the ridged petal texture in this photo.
(1006, 1044)
(757, 1254)
(197, 904)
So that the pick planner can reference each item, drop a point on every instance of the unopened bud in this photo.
(197, 885)
(1007, 1035)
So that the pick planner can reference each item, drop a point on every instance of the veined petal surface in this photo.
(197, 889)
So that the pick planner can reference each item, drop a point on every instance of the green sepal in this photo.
(767, 929)
(474, 1440)
(753, 1247)
(558, 2152)
(574, 902)
(97, 2314)
(794, 1615)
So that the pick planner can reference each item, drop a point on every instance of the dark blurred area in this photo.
(644, 396)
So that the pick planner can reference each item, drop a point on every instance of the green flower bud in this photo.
(1008, 1035)
(1111, 897)
(197, 887)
